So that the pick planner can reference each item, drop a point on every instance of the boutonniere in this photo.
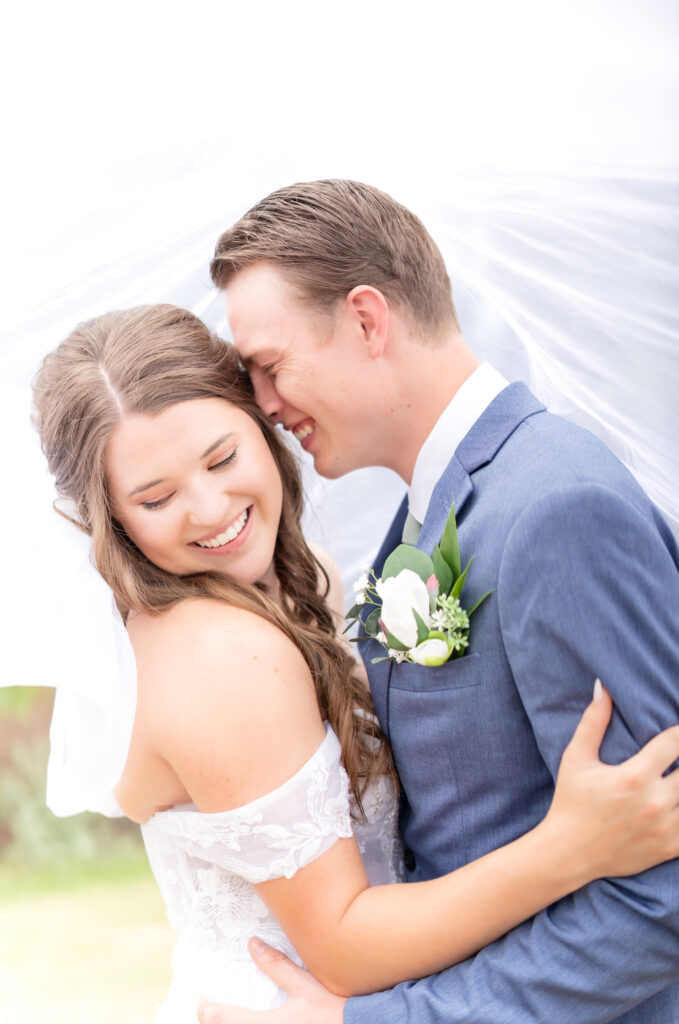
(417, 614)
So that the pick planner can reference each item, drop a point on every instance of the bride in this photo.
(255, 766)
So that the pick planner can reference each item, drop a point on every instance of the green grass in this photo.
(88, 945)
(19, 701)
(126, 863)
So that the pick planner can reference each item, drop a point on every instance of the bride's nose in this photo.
(208, 505)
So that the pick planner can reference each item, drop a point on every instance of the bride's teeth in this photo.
(303, 432)
(229, 534)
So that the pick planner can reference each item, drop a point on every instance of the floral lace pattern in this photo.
(207, 864)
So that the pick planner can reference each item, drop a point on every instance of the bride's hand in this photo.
(616, 819)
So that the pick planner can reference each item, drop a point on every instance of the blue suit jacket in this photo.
(585, 583)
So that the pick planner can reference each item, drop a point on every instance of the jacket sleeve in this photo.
(587, 587)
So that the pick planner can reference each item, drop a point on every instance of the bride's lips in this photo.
(231, 545)
(303, 431)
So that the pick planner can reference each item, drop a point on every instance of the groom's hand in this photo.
(309, 1002)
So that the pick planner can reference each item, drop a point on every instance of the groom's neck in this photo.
(429, 377)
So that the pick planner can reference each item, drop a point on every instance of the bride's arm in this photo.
(357, 940)
(237, 716)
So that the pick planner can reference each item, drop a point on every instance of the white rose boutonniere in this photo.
(401, 595)
(417, 614)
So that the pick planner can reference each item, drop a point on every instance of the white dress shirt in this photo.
(456, 420)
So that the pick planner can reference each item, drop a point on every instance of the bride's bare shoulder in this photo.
(217, 646)
(214, 681)
(201, 625)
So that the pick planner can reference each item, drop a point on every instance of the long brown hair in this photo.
(144, 360)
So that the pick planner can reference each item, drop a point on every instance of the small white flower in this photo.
(381, 638)
(398, 656)
(362, 582)
(439, 620)
(360, 598)
(365, 566)
(430, 652)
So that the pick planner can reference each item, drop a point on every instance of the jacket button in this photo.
(409, 860)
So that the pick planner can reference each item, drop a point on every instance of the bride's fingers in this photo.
(656, 756)
(292, 979)
(591, 728)
(214, 1013)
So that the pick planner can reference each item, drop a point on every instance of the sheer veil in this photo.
(559, 225)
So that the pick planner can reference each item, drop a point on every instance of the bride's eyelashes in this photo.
(161, 502)
(225, 461)
(157, 504)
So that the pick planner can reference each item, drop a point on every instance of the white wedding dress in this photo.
(207, 865)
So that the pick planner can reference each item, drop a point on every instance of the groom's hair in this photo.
(327, 237)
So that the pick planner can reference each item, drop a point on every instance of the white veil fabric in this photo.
(544, 163)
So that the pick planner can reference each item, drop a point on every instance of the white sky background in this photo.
(125, 124)
(536, 138)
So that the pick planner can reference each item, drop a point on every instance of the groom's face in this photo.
(308, 369)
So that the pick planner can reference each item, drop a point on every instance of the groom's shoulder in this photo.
(547, 451)
(549, 462)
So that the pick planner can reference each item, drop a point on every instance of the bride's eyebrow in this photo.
(144, 487)
(216, 444)
(208, 451)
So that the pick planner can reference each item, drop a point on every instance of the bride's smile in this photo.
(196, 487)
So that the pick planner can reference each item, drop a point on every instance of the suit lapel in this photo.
(393, 537)
(454, 485)
(504, 414)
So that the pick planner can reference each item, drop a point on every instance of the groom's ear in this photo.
(369, 310)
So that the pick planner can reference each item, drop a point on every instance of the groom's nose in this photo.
(266, 396)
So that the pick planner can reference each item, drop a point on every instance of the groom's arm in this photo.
(586, 588)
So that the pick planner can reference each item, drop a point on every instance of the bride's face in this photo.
(197, 488)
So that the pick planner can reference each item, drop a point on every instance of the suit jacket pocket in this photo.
(454, 675)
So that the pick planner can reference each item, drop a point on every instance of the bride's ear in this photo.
(369, 310)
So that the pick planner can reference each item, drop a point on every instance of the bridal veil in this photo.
(538, 146)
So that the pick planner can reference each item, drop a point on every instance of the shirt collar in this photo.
(467, 404)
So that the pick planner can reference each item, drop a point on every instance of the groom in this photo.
(341, 309)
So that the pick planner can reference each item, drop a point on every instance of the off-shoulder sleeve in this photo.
(277, 834)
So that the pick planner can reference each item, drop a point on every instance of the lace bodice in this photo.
(207, 864)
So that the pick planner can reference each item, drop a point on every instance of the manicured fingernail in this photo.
(598, 690)
(258, 945)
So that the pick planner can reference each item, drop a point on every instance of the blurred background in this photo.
(538, 143)
(83, 933)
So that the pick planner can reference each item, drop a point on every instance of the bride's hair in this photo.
(144, 360)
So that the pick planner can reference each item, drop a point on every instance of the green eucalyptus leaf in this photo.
(372, 623)
(422, 628)
(407, 557)
(461, 580)
(353, 612)
(449, 546)
(442, 570)
(478, 603)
